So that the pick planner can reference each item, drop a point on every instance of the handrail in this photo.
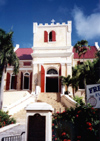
(13, 138)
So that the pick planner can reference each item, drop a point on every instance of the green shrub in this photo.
(79, 124)
(79, 100)
(5, 119)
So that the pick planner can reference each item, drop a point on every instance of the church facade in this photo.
(51, 56)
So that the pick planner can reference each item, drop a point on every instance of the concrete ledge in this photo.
(67, 101)
(8, 127)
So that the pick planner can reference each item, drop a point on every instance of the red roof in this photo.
(90, 54)
(24, 53)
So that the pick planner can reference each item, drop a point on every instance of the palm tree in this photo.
(74, 84)
(66, 81)
(81, 47)
(7, 56)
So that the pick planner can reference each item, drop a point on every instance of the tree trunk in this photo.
(85, 91)
(2, 89)
(73, 93)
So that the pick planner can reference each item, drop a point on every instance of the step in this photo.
(20, 116)
(52, 99)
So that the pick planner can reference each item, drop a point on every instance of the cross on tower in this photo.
(53, 21)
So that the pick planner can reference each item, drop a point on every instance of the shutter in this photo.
(31, 81)
(45, 36)
(15, 83)
(42, 78)
(8, 81)
(60, 79)
(21, 87)
(53, 36)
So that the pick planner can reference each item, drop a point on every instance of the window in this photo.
(51, 37)
(27, 63)
(26, 80)
(52, 71)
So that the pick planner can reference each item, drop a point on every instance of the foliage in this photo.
(7, 54)
(79, 124)
(79, 100)
(5, 119)
(66, 81)
(89, 72)
(81, 47)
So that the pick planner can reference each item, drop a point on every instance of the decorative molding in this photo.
(67, 54)
(19, 69)
(51, 48)
(52, 62)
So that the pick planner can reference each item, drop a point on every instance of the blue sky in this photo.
(19, 16)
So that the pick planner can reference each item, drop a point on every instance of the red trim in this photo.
(53, 36)
(45, 36)
(21, 87)
(42, 78)
(60, 79)
(8, 81)
(31, 81)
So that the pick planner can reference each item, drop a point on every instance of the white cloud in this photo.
(2, 2)
(88, 27)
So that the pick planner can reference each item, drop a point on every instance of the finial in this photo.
(53, 21)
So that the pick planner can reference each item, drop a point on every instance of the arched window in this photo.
(52, 71)
(52, 36)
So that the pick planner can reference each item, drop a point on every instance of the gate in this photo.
(13, 138)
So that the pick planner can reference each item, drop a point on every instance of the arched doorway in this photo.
(52, 80)
(26, 80)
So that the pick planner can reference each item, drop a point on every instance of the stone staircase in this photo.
(20, 116)
(50, 98)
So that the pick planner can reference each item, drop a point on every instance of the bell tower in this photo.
(52, 52)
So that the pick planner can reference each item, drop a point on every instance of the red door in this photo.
(42, 79)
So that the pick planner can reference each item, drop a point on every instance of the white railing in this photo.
(67, 101)
(19, 105)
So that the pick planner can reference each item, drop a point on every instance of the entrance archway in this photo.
(52, 81)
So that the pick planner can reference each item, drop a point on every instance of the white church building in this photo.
(51, 56)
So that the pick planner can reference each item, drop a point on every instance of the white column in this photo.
(69, 69)
(63, 73)
(39, 75)
(35, 77)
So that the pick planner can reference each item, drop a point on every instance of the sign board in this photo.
(93, 95)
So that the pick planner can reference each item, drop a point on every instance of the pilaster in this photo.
(35, 77)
